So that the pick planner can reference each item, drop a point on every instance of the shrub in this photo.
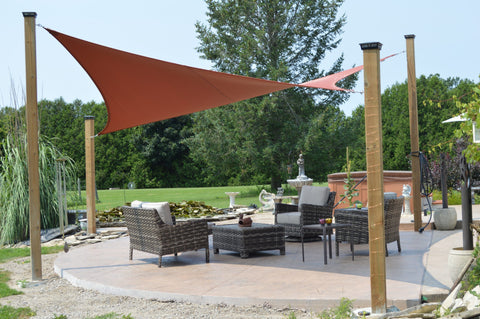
(14, 193)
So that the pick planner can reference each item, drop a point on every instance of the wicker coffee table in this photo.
(248, 239)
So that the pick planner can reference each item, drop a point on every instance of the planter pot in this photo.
(445, 218)
(457, 260)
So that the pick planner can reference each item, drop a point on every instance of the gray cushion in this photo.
(314, 195)
(163, 210)
(289, 218)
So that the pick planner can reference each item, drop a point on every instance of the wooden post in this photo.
(90, 173)
(31, 110)
(374, 153)
(414, 144)
(466, 191)
(443, 181)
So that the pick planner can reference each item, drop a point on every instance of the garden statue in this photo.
(301, 179)
(267, 200)
(301, 167)
(406, 190)
(280, 191)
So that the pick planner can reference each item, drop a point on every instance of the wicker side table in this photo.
(248, 239)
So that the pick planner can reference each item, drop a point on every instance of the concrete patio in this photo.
(420, 270)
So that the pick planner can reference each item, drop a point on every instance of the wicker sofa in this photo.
(358, 220)
(307, 212)
(148, 233)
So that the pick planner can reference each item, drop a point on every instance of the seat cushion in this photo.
(289, 218)
(163, 210)
(314, 195)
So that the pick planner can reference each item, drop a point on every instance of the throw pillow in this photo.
(163, 210)
(136, 204)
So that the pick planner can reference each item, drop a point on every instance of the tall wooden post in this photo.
(374, 153)
(443, 181)
(414, 144)
(466, 191)
(31, 110)
(90, 173)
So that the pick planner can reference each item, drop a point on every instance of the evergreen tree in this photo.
(253, 141)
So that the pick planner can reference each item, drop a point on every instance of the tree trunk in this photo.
(275, 182)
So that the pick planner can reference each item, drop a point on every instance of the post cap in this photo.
(371, 45)
(409, 36)
(89, 117)
(29, 14)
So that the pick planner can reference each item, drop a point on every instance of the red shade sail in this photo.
(139, 90)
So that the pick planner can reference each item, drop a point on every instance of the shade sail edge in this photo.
(138, 90)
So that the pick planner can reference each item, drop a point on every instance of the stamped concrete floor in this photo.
(420, 269)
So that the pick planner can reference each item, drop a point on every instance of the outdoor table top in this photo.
(325, 226)
(353, 209)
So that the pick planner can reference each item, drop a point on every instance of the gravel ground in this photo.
(54, 296)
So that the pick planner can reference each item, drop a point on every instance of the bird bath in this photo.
(232, 198)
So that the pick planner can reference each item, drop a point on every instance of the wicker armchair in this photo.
(358, 219)
(293, 217)
(148, 233)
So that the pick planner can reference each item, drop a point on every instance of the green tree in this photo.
(396, 127)
(435, 104)
(277, 40)
(469, 108)
(63, 124)
(328, 136)
(435, 99)
(355, 127)
(152, 155)
(164, 151)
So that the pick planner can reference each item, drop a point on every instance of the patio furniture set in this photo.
(152, 228)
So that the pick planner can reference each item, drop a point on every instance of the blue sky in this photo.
(447, 39)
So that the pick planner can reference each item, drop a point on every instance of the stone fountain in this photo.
(301, 179)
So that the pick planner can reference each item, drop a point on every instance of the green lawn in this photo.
(214, 196)
(10, 253)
